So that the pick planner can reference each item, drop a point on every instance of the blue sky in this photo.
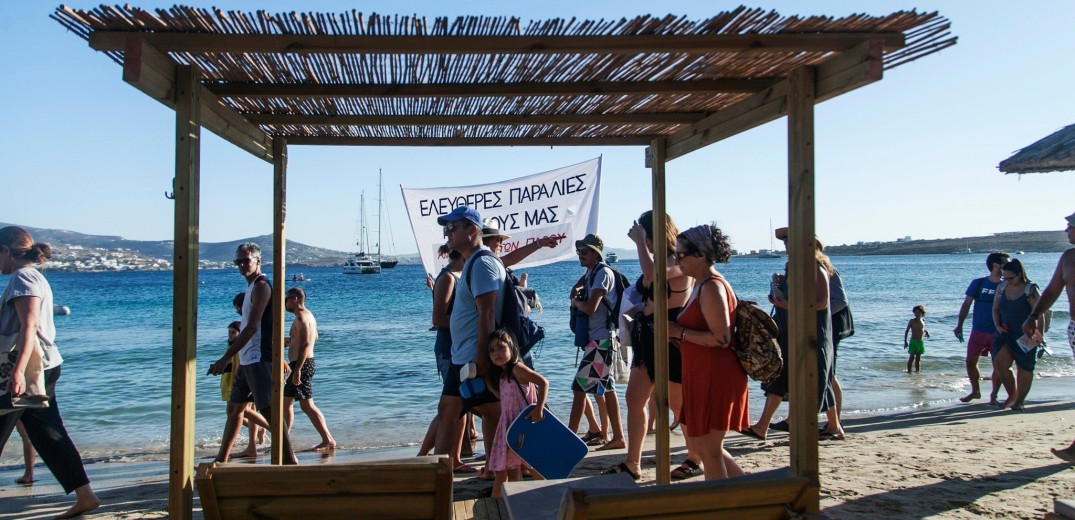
(914, 154)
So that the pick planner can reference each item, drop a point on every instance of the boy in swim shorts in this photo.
(916, 346)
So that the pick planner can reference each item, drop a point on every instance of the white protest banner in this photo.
(561, 203)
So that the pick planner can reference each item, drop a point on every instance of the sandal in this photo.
(593, 438)
(622, 468)
(686, 470)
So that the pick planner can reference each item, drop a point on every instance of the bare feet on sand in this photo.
(324, 446)
(1067, 454)
(970, 397)
(25, 480)
(612, 445)
(85, 502)
(249, 453)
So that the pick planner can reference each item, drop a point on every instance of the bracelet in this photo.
(682, 332)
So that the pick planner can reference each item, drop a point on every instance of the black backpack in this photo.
(514, 312)
(620, 283)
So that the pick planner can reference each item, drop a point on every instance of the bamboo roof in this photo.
(357, 79)
(1054, 153)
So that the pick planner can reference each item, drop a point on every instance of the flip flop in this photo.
(686, 470)
(593, 437)
(829, 436)
(464, 468)
(749, 432)
(622, 468)
(781, 426)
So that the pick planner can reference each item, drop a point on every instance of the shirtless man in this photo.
(299, 384)
(1064, 277)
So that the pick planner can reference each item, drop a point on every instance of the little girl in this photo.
(514, 383)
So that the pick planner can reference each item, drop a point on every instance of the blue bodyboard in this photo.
(547, 446)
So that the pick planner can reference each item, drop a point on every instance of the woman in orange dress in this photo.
(714, 384)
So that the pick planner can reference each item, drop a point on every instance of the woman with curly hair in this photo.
(715, 395)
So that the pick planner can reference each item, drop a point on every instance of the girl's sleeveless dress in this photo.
(512, 401)
(715, 395)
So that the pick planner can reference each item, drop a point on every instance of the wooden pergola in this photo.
(264, 81)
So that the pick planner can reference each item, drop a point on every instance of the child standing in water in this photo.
(916, 346)
(514, 384)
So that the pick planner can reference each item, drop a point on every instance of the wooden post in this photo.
(184, 292)
(660, 311)
(279, 148)
(802, 274)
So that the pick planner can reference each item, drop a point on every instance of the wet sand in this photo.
(957, 461)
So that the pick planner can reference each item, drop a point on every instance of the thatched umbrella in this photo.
(1055, 153)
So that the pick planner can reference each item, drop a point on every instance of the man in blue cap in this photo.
(479, 296)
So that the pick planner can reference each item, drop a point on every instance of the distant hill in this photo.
(1027, 241)
(217, 252)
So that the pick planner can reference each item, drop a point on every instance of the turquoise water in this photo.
(376, 380)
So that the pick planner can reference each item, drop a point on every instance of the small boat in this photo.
(611, 257)
(1020, 253)
(766, 253)
(388, 264)
(300, 278)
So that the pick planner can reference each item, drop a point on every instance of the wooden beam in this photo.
(154, 73)
(470, 141)
(184, 293)
(802, 273)
(279, 257)
(476, 119)
(487, 45)
(461, 90)
(853, 69)
(660, 311)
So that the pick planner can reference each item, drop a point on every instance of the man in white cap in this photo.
(1063, 278)
(494, 239)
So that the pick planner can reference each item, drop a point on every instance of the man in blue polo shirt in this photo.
(479, 296)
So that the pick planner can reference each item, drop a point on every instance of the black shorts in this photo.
(305, 390)
(253, 382)
(642, 345)
(451, 389)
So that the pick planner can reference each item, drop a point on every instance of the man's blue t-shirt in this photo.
(983, 290)
(487, 275)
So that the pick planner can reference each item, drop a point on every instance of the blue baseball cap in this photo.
(461, 213)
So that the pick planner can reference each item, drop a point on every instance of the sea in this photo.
(377, 382)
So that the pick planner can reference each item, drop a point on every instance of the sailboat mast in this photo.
(380, 194)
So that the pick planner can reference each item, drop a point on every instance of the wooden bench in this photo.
(420, 487)
(771, 494)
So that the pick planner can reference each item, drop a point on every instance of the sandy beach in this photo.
(957, 461)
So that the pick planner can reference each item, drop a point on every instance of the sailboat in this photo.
(361, 262)
(770, 253)
(391, 261)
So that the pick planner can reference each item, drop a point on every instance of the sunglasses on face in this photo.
(680, 255)
(448, 228)
(243, 261)
(582, 252)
